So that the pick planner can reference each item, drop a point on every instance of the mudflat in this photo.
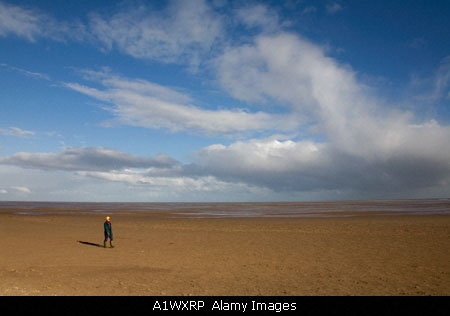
(155, 254)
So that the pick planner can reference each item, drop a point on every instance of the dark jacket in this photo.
(108, 228)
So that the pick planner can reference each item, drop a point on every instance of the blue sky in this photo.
(224, 100)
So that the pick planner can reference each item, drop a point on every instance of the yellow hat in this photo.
(107, 218)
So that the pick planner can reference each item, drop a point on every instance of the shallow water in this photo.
(224, 210)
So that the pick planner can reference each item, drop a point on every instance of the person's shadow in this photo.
(89, 243)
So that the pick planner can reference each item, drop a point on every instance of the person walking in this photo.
(108, 233)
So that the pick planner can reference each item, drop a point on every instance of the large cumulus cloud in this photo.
(365, 144)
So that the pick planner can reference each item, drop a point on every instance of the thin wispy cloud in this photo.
(16, 189)
(32, 24)
(141, 103)
(16, 132)
(435, 87)
(24, 190)
(25, 72)
(21, 22)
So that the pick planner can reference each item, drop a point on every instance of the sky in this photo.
(201, 101)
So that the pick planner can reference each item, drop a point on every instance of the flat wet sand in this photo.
(156, 255)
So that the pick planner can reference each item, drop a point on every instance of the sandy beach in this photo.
(56, 254)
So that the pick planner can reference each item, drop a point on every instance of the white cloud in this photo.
(433, 89)
(183, 32)
(32, 24)
(27, 73)
(152, 184)
(22, 189)
(86, 158)
(292, 71)
(442, 79)
(16, 132)
(303, 166)
(145, 104)
(3, 191)
(366, 145)
(263, 155)
(281, 66)
(288, 70)
(259, 16)
(21, 22)
(179, 183)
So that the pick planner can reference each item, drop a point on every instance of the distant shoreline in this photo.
(237, 209)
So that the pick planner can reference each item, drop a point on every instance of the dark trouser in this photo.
(110, 236)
